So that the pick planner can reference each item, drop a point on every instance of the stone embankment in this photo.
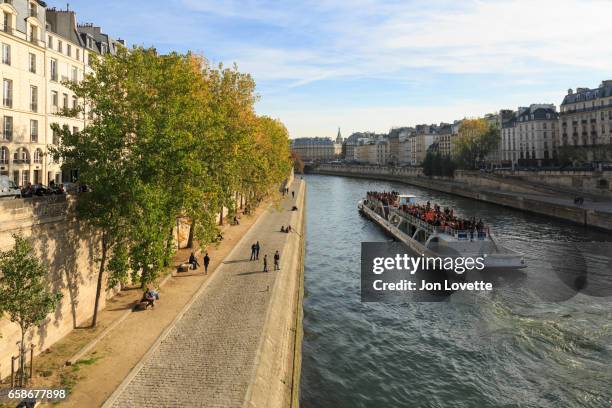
(510, 194)
(238, 342)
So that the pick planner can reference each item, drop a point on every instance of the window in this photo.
(54, 101)
(32, 63)
(50, 42)
(25, 177)
(7, 93)
(60, 46)
(33, 34)
(38, 156)
(78, 54)
(6, 54)
(53, 71)
(74, 102)
(33, 10)
(65, 101)
(75, 130)
(4, 155)
(69, 50)
(7, 133)
(34, 98)
(75, 74)
(7, 20)
(34, 131)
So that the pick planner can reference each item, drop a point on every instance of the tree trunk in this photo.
(94, 320)
(221, 216)
(22, 352)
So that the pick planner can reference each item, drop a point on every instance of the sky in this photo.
(365, 65)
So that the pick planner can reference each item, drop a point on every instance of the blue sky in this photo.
(373, 65)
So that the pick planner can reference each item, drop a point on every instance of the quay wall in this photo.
(276, 380)
(508, 197)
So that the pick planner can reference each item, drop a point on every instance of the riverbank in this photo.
(590, 214)
(99, 371)
(234, 342)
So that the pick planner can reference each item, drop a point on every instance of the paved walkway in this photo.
(207, 358)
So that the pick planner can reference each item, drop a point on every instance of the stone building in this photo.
(586, 116)
(318, 149)
(531, 138)
(41, 48)
(446, 140)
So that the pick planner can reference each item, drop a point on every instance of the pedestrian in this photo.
(206, 263)
(193, 261)
(265, 261)
(292, 194)
(276, 260)
(253, 251)
(257, 248)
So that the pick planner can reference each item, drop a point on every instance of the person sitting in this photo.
(236, 221)
(294, 208)
(150, 296)
(283, 228)
(193, 261)
(288, 228)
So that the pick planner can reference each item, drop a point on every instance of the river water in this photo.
(532, 342)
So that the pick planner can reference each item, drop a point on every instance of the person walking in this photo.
(276, 260)
(265, 262)
(257, 248)
(292, 194)
(206, 263)
(253, 251)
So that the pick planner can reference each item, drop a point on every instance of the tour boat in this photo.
(394, 213)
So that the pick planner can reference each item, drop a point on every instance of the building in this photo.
(586, 116)
(41, 48)
(446, 140)
(317, 149)
(531, 137)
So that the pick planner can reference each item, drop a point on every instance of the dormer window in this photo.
(103, 49)
(7, 20)
(60, 46)
(33, 10)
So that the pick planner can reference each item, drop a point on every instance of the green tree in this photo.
(24, 292)
(476, 139)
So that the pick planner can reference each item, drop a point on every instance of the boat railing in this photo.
(434, 229)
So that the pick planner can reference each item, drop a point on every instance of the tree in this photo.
(24, 292)
(476, 139)
(298, 163)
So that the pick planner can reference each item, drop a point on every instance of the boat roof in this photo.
(407, 195)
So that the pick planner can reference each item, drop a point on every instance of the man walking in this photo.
(206, 263)
(276, 260)
(265, 262)
(253, 251)
(292, 194)
(257, 248)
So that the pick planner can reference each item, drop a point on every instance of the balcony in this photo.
(21, 161)
(7, 102)
(4, 162)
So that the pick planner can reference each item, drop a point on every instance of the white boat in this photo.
(437, 241)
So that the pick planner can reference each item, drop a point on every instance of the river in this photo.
(532, 342)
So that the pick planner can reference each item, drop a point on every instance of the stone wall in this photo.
(69, 251)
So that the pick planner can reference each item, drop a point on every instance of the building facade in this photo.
(531, 138)
(316, 149)
(586, 116)
(42, 49)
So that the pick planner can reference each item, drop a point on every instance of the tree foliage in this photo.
(436, 164)
(24, 291)
(170, 136)
(476, 139)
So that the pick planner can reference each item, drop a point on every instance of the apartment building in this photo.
(531, 137)
(315, 148)
(42, 49)
(586, 116)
